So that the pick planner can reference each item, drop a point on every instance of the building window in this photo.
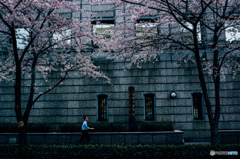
(66, 15)
(103, 29)
(22, 37)
(146, 28)
(131, 103)
(187, 36)
(149, 106)
(102, 107)
(232, 32)
(62, 38)
(197, 106)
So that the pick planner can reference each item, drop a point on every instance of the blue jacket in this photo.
(84, 126)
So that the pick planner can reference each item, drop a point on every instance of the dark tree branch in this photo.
(6, 7)
(5, 32)
(52, 87)
(32, 39)
(225, 55)
(5, 22)
(17, 4)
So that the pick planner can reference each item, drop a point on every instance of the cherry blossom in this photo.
(38, 38)
(204, 32)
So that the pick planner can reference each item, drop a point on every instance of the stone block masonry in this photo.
(78, 96)
(157, 137)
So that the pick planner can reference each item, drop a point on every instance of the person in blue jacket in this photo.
(85, 129)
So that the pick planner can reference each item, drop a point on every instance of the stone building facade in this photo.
(163, 93)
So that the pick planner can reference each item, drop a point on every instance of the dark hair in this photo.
(84, 117)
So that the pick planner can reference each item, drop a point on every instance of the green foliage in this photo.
(117, 151)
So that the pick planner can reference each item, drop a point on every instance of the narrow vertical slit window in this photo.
(102, 107)
(131, 104)
(149, 107)
(197, 106)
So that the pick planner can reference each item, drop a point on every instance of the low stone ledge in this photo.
(229, 136)
(155, 137)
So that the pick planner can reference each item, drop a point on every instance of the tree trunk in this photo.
(17, 88)
(18, 101)
(214, 125)
(22, 135)
(18, 108)
(212, 120)
(214, 133)
(216, 79)
(22, 140)
(23, 130)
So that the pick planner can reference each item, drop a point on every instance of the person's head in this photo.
(85, 118)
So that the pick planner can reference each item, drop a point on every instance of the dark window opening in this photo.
(103, 21)
(102, 107)
(149, 106)
(197, 106)
(67, 15)
(131, 104)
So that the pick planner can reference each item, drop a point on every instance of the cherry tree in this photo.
(39, 38)
(195, 27)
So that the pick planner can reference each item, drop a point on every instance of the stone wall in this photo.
(68, 103)
(229, 136)
(77, 97)
(168, 137)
